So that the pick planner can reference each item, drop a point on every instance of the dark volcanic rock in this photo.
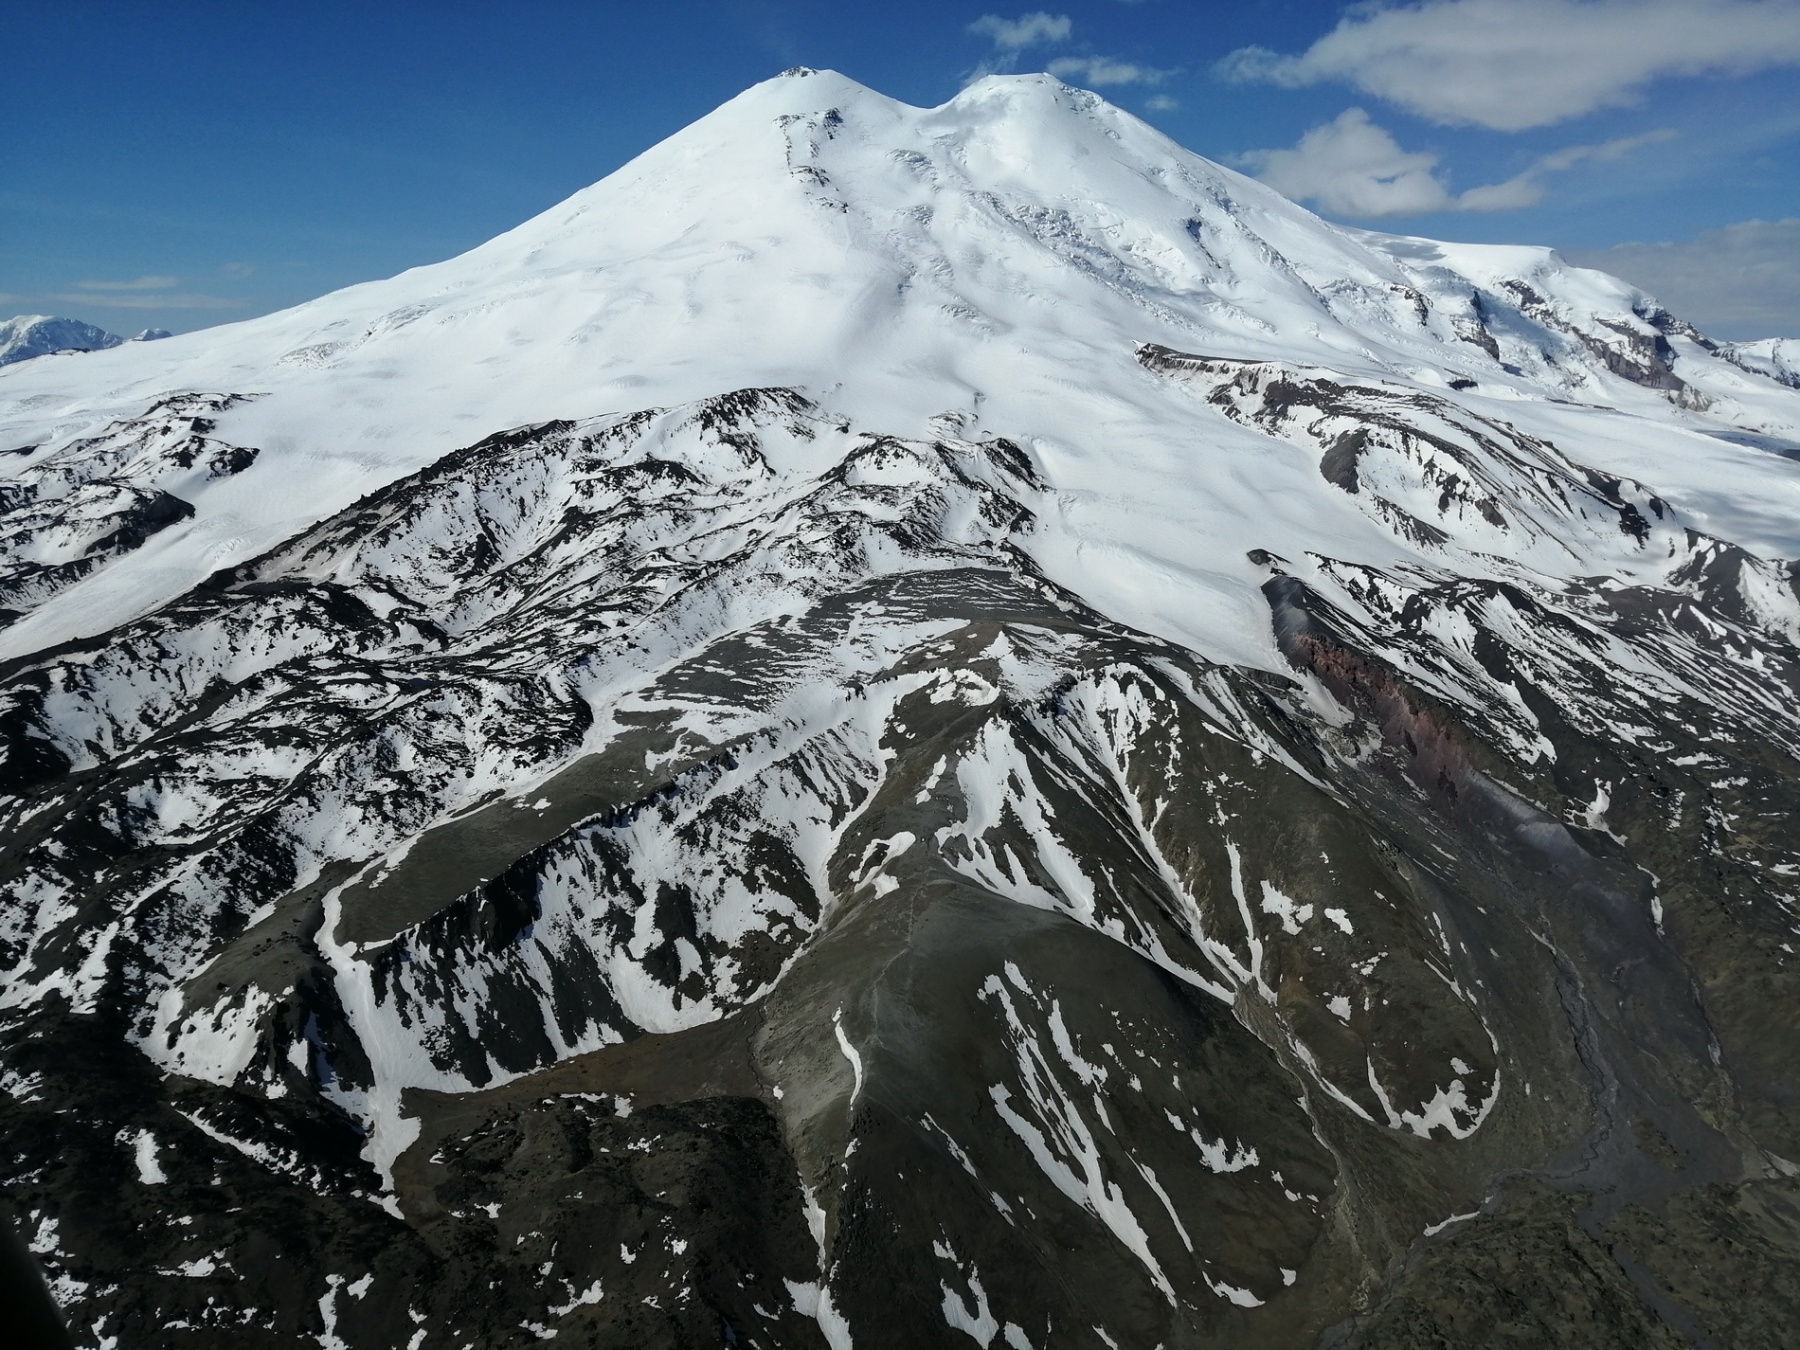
(474, 919)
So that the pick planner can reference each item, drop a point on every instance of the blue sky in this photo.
(190, 164)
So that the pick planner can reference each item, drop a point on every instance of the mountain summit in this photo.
(970, 260)
(902, 725)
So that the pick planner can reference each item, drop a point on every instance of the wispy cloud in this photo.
(1028, 30)
(1352, 167)
(1104, 70)
(1513, 64)
(142, 300)
(1604, 153)
(238, 271)
(135, 284)
(1161, 103)
(1012, 36)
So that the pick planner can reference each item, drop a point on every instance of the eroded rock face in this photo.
(87, 503)
(689, 877)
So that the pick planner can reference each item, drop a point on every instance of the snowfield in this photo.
(997, 262)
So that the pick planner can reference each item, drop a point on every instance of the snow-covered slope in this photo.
(997, 259)
(939, 722)
(1778, 358)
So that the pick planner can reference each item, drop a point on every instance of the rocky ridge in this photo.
(1290, 848)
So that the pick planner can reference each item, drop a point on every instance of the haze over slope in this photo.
(942, 723)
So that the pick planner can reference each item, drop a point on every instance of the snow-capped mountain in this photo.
(901, 725)
(27, 335)
(1778, 358)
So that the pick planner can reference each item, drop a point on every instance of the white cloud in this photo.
(135, 284)
(1512, 64)
(1028, 30)
(1161, 103)
(1352, 167)
(237, 271)
(1103, 70)
(1739, 282)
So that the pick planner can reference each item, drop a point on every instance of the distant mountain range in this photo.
(27, 335)
(898, 727)
(1778, 358)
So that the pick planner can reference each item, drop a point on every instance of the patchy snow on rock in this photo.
(978, 597)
